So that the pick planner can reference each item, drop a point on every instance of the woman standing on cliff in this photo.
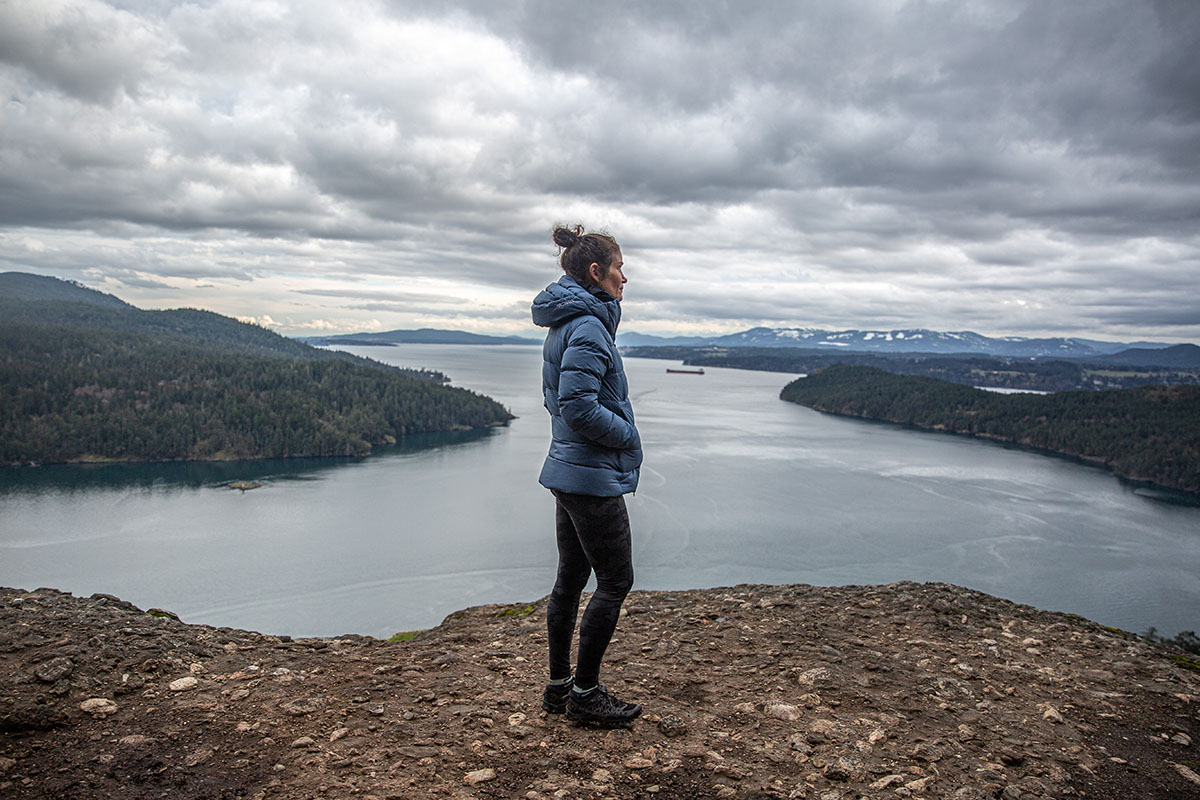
(595, 452)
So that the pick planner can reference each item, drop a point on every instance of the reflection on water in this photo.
(738, 486)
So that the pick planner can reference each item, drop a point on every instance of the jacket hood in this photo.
(567, 299)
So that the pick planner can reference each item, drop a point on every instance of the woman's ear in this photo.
(594, 272)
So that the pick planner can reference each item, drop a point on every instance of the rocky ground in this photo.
(908, 690)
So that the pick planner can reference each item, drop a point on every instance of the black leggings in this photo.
(593, 534)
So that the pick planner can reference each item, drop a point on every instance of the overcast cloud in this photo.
(1005, 167)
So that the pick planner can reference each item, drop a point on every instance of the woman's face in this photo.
(614, 281)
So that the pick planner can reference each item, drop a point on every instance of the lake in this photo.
(738, 486)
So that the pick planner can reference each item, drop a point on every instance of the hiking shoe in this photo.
(554, 699)
(599, 707)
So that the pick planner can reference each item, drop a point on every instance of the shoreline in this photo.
(1186, 496)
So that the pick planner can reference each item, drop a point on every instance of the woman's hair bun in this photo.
(567, 237)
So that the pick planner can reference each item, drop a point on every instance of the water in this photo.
(738, 487)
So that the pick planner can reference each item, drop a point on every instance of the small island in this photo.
(1150, 433)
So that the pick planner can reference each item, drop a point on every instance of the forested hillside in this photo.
(84, 378)
(1150, 433)
(1042, 374)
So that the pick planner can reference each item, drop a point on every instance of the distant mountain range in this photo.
(914, 340)
(419, 336)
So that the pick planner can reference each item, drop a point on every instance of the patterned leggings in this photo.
(593, 534)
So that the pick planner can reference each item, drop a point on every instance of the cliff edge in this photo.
(908, 690)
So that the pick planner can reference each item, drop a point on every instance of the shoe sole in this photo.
(601, 722)
(554, 708)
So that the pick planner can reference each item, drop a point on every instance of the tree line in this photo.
(1149, 433)
(1047, 375)
(190, 388)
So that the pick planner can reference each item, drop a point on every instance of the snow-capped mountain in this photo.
(915, 340)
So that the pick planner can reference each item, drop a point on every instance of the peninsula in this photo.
(88, 377)
(1151, 433)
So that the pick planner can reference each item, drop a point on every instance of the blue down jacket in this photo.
(595, 447)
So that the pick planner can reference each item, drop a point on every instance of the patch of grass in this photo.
(516, 611)
(406, 636)
(161, 614)
(1186, 661)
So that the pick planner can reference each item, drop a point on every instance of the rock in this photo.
(840, 769)
(1051, 713)
(199, 756)
(637, 762)
(919, 784)
(783, 711)
(54, 670)
(300, 706)
(1182, 738)
(886, 781)
(671, 726)
(183, 684)
(1186, 772)
(98, 706)
(25, 715)
(135, 740)
(817, 676)
(823, 726)
(303, 741)
(6, 764)
(479, 776)
(1011, 758)
(340, 733)
(602, 776)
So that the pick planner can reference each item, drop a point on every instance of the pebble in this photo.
(1051, 713)
(919, 784)
(671, 726)
(814, 677)
(784, 711)
(199, 756)
(1182, 738)
(340, 733)
(300, 706)
(6, 764)
(135, 740)
(54, 670)
(183, 684)
(479, 776)
(1187, 773)
(602, 776)
(886, 781)
(98, 706)
(637, 762)
(303, 741)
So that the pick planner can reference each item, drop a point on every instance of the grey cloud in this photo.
(960, 153)
(383, 299)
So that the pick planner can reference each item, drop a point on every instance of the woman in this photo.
(593, 461)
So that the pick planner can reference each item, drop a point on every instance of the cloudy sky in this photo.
(1023, 168)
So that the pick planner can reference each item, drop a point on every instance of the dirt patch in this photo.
(908, 690)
